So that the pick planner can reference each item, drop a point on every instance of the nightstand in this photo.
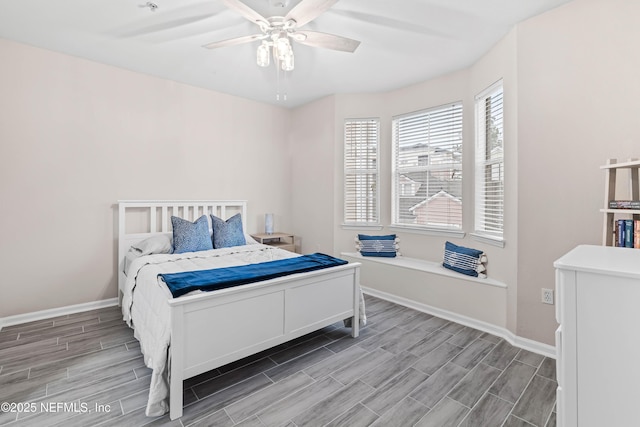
(280, 240)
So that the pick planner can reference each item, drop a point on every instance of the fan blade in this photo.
(244, 10)
(387, 22)
(327, 41)
(233, 42)
(169, 25)
(308, 10)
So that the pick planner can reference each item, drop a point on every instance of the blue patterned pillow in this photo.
(227, 233)
(382, 246)
(190, 236)
(464, 260)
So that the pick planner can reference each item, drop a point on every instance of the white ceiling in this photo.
(402, 41)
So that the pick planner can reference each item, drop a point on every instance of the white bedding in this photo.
(145, 308)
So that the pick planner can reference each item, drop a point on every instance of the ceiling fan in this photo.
(277, 31)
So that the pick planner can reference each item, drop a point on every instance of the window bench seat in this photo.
(426, 266)
(429, 287)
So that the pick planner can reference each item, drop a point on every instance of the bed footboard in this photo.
(220, 327)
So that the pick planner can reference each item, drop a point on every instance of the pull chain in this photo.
(277, 63)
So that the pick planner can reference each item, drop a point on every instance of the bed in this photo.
(185, 336)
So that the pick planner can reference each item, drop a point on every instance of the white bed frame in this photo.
(215, 328)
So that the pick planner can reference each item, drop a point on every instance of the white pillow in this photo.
(250, 240)
(160, 244)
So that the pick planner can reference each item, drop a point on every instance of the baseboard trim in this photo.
(510, 337)
(56, 312)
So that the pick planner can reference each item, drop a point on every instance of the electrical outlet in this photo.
(547, 296)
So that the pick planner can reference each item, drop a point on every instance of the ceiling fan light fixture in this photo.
(262, 56)
(287, 63)
(278, 30)
(282, 47)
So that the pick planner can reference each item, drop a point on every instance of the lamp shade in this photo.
(287, 62)
(282, 48)
(268, 223)
(262, 57)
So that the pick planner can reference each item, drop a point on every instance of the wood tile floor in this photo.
(407, 368)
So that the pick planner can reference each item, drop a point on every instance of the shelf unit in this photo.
(611, 169)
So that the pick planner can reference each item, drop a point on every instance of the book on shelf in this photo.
(624, 204)
(620, 233)
(627, 233)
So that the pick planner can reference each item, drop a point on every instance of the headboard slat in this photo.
(165, 220)
(153, 227)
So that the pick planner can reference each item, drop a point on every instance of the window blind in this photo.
(361, 139)
(489, 203)
(427, 168)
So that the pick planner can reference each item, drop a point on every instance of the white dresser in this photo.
(598, 341)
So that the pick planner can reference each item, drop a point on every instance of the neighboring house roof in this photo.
(404, 179)
(438, 195)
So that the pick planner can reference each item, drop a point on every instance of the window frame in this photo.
(374, 222)
(457, 108)
(482, 161)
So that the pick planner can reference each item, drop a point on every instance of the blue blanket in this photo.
(226, 277)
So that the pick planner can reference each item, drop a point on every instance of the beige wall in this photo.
(312, 178)
(578, 104)
(76, 136)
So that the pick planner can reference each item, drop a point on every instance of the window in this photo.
(361, 171)
(489, 192)
(427, 168)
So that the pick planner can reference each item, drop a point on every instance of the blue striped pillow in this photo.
(463, 260)
(382, 246)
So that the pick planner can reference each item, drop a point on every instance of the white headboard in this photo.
(140, 219)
